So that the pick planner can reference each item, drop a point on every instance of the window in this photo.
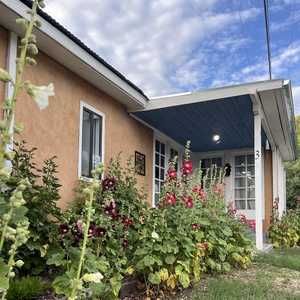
(91, 140)
(206, 167)
(160, 169)
(244, 182)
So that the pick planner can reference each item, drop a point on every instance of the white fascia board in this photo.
(211, 94)
(51, 41)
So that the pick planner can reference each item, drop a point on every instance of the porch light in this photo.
(216, 138)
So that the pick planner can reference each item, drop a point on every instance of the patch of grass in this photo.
(226, 289)
(273, 276)
(282, 258)
(25, 288)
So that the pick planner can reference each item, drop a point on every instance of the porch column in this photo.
(258, 179)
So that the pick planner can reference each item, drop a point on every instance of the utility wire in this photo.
(242, 27)
(268, 36)
(292, 34)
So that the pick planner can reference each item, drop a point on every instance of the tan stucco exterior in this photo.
(55, 130)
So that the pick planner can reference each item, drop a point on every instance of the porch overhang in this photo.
(229, 112)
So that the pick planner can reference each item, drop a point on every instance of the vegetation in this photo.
(274, 275)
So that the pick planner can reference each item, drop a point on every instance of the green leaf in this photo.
(170, 259)
(226, 267)
(163, 274)
(148, 260)
(62, 284)
(98, 288)
(4, 281)
(115, 283)
(141, 252)
(227, 231)
(184, 279)
(56, 259)
(154, 278)
(236, 256)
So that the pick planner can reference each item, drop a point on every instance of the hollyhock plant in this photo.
(63, 229)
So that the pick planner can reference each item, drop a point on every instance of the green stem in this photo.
(9, 264)
(86, 233)
(4, 228)
(17, 84)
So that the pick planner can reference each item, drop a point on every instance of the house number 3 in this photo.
(257, 154)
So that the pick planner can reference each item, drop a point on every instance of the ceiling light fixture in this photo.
(216, 138)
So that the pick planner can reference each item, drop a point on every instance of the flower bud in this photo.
(24, 42)
(6, 138)
(32, 48)
(23, 23)
(38, 23)
(2, 125)
(4, 174)
(19, 195)
(4, 76)
(11, 274)
(18, 128)
(10, 230)
(9, 155)
(87, 191)
(6, 104)
(19, 263)
(41, 4)
(6, 218)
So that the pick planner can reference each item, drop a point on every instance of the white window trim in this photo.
(91, 108)
(169, 143)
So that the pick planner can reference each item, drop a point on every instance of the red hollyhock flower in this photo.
(172, 173)
(125, 243)
(109, 183)
(63, 229)
(205, 246)
(195, 226)
(170, 199)
(100, 232)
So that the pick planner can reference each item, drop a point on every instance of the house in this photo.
(96, 113)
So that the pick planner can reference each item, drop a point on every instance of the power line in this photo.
(268, 36)
(291, 46)
(242, 27)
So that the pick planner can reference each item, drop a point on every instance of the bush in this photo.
(190, 232)
(25, 288)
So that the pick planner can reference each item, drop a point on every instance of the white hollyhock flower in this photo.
(40, 94)
(154, 235)
(96, 277)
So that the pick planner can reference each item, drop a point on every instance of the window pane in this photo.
(205, 163)
(157, 172)
(251, 193)
(162, 174)
(86, 144)
(240, 160)
(250, 159)
(240, 204)
(156, 186)
(251, 204)
(240, 182)
(240, 193)
(156, 159)
(162, 149)
(240, 171)
(217, 161)
(157, 146)
(162, 161)
(251, 171)
(96, 140)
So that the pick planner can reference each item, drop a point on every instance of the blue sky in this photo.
(174, 46)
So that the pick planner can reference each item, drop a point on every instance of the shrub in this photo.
(284, 231)
(190, 232)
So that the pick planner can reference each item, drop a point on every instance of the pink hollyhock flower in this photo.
(213, 213)
(80, 224)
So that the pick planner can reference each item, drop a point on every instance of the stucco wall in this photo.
(55, 130)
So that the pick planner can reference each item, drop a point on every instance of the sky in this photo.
(173, 46)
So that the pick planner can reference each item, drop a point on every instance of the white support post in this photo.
(258, 180)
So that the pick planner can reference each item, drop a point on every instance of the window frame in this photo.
(86, 106)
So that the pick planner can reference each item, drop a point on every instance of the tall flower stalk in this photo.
(78, 281)
(13, 221)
